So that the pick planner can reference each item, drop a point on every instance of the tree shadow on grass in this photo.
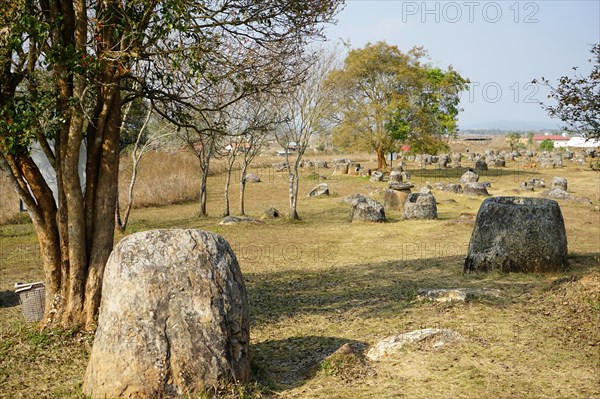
(378, 290)
(372, 290)
(366, 290)
(288, 363)
(8, 299)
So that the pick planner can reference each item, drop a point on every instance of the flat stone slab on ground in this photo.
(390, 346)
(229, 220)
(457, 294)
(557, 193)
(252, 178)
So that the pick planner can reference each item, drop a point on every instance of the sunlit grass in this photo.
(319, 283)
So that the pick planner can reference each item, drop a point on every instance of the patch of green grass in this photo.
(312, 176)
(346, 366)
(594, 304)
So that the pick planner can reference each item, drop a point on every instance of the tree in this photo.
(233, 149)
(204, 142)
(578, 99)
(66, 70)
(219, 94)
(530, 137)
(261, 120)
(388, 97)
(255, 139)
(546, 145)
(247, 131)
(235, 74)
(513, 139)
(144, 142)
(302, 112)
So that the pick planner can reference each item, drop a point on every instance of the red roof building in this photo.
(558, 140)
(552, 137)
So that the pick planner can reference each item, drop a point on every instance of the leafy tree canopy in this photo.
(546, 145)
(577, 99)
(513, 139)
(388, 97)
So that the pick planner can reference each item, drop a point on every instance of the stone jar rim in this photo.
(521, 201)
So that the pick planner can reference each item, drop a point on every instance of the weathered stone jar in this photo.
(420, 206)
(173, 319)
(367, 210)
(518, 234)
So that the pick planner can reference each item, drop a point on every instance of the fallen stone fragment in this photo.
(390, 346)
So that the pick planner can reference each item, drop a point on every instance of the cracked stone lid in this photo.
(400, 186)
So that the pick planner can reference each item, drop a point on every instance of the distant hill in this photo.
(511, 125)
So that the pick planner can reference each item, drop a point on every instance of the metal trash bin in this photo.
(33, 298)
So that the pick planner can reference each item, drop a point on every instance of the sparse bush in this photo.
(546, 145)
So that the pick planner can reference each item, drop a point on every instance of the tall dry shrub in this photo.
(164, 178)
(9, 202)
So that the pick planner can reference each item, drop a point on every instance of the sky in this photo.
(500, 46)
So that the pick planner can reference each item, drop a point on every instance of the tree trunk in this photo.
(296, 182)
(203, 181)
(243, 188)
(122, 225)
(227, 181)
(204, 164)
(118, 221)
(381, 162)
(135, 159)
(202, 211)
(28, 182)
(293, 177)
(71, 311)
(86, 223)
(103, 237)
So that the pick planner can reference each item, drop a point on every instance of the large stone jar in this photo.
(518, 234)
(173, 318)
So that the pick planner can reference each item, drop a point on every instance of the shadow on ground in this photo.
(377, 290)
(289, 363)
(8, 299)
(365, 290)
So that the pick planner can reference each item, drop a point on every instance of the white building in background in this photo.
(39, 158)
(558, 140)
(580, 142)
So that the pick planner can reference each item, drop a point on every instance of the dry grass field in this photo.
(321, 282)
